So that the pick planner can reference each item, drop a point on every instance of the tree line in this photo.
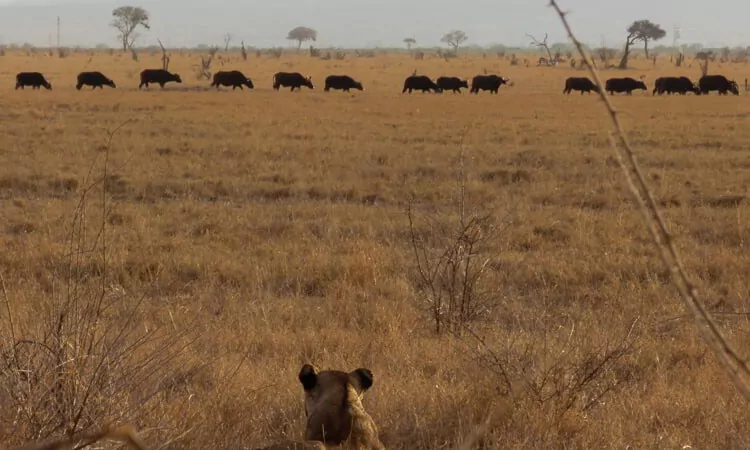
(128, 19)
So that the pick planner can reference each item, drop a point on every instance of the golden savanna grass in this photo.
(271, 229)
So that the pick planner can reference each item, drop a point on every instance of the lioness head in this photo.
(333, 405)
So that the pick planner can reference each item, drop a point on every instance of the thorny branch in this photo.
(735, 366)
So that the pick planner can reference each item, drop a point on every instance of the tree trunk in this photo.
(645, 46)
(624, 61)
(299, 44)
(124, 43)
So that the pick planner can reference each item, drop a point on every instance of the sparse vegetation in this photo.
(275, 228)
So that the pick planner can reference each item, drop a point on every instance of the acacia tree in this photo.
(302, 34)
(410, 41)
(126, 20)
(646, 31)
(455, 38)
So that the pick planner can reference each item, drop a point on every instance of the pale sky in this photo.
(364, 23)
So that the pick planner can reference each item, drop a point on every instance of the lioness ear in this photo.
(362, 379)
(308, 376)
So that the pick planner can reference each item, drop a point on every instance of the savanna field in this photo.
(178, 277)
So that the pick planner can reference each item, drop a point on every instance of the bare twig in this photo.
(735, 366)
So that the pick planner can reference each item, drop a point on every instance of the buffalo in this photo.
(34, 79)
(452, 84)
(627, 85)
(94, 79)
(672, 85)
(342, 82)
(159, 76)
(490, 83)
(233, 78)
(580, 84)
(420, 83)
(293, 80)
(720, 83)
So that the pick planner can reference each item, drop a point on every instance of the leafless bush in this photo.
(89, 354)
(203, 70)
(605, 54)
(339, 55)
(276, 52)
(133, 55)
(563, 375)
(451, 253)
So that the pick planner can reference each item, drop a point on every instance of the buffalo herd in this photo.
(492, 83)
(669, 85)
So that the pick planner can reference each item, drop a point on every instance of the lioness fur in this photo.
(333, 405)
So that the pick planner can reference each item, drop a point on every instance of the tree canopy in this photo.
(645, 30)
(455, 38)
(302, 34)
(126, 20)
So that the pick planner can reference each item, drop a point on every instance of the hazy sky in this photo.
(373, 23)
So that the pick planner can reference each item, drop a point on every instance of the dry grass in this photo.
(278, 223)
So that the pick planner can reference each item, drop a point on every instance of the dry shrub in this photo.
(88, 353)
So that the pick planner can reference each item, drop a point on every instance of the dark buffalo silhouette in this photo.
(233, 78)
(720, 83)
(93, 79)
(452, 84)
(420, 83)
(34, 79)
(674, 85)
(159, 76)
(342, 82)
(627, 85)
(579, 84)
(490, 83)
(293, 80)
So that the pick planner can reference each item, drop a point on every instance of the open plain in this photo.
(247, 233)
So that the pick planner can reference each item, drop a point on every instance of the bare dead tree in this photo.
(133, 55)
(204, 69)
(543, 44)
(227, 39)
(164, 57)
(244, 51)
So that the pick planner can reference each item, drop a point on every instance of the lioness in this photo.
(335, 415)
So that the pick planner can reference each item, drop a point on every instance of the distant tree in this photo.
(302, 34)
(410, 41)
(646, 31)
(455, 38)
(227, 40)
(126, 20)
(543, 44)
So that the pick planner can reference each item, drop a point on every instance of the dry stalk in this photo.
(735, 366)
